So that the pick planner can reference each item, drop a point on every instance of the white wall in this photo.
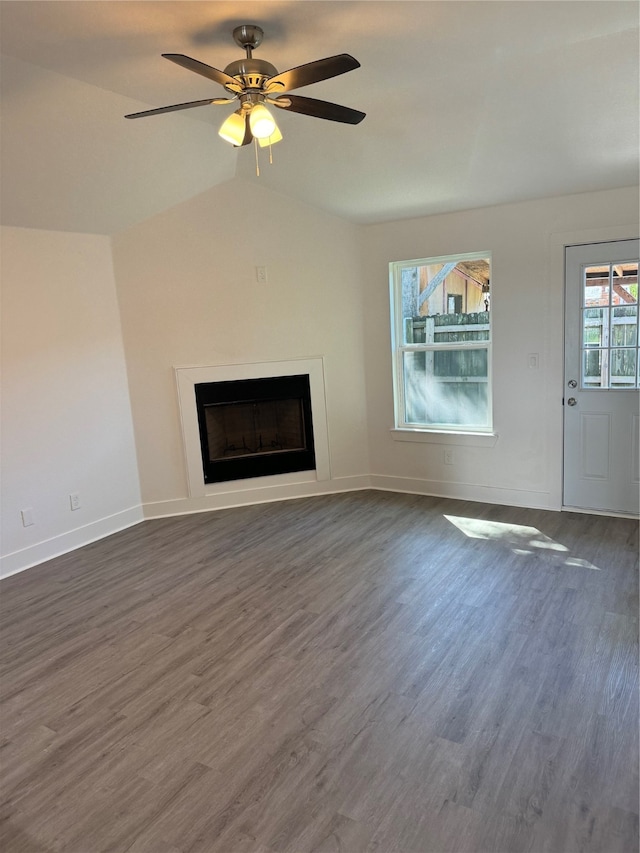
(63, 139)
(189, 297)
(66, 421)
(523, 465)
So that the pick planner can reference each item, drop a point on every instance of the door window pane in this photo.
(594, 321)
(594, 368)
(596, 286)
(623, 367)
(625, 284)
(624, 331)
(610, 326)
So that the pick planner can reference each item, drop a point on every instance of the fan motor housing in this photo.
(252, 73)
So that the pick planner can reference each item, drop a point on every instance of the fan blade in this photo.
(175, 107)
(318, 109)
(312, 72)
(205, 70)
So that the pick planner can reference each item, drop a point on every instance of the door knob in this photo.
(572, 401)
(572, 383)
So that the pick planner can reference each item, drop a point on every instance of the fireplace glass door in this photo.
(255, 427)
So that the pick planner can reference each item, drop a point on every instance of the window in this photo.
(441, 340)
(610, 326)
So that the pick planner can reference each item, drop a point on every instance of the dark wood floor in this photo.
(361, 672)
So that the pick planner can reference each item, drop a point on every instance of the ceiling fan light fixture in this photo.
(261, 122)
(253, 82)
(276, 136)
(233, 128)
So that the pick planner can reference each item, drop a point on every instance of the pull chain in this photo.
(255, 145)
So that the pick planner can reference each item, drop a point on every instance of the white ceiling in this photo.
(468, 104)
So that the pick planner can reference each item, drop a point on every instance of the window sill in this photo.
(468, 439)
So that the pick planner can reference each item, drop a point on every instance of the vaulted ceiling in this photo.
(468, 104)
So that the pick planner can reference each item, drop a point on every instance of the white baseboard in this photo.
(465, 492)
(255, 495)
(18, 561)
(586, 511)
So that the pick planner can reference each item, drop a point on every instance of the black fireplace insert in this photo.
(255, 427)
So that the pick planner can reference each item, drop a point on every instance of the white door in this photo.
(601, 376)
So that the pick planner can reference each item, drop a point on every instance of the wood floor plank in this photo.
(364, 673)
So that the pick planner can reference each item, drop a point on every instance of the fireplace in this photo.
(255, 427)
(224, 377)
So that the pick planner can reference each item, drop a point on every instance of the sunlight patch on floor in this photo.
(524, 540)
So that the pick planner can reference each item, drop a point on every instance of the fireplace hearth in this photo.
(255, 427)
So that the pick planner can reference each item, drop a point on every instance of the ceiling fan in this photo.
(254, 82)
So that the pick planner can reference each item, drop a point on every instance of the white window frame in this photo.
(605, 338)
(412, 431)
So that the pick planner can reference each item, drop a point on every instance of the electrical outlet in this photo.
(261, 275)
(27, 517)
(74, 501)
(448, 457)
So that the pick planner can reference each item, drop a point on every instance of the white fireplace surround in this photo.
(188, 377)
